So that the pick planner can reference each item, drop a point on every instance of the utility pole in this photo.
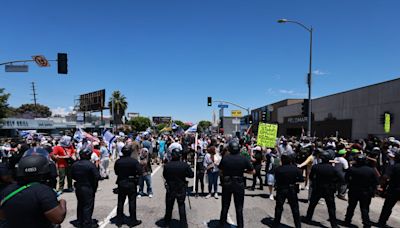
(34, 93)
(34, 98)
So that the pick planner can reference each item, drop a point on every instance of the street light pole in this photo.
(309, 76)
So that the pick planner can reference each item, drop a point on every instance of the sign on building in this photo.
(236, 113)
(267, 134)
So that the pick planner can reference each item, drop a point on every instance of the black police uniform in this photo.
(324, 179)
(128, 170)
(286, 177)
(362, 182)
(233, 166)
(393, 193)
(175, 173)
(27, 208)
(86, 176)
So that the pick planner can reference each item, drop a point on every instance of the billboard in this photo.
(93, 101)
(161, 119)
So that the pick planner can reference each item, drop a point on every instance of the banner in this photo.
(267, 135)
(387, 123)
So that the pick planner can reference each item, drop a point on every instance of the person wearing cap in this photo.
(287, 177)
(342, 165)
(86, 175)
(392, 176)
(233, 166)
(324, 179)
(175, 173)
(30, 202)
(144, 160)
(257, 159)
(362, 182)
(64, 155)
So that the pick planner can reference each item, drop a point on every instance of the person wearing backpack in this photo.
(273, 162)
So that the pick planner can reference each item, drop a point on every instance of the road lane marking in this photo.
(106, 221)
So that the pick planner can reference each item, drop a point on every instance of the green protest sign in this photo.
(267, 135)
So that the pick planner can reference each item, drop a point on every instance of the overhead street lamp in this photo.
(309, 77)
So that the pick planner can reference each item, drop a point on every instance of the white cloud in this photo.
(319, 72)
(61, 111)
(284, 91)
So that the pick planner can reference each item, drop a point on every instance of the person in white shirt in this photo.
(211, 162)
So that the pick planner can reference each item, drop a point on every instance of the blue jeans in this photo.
(212, 181)
(142, 179)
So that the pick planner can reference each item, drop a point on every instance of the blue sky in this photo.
(167, 56)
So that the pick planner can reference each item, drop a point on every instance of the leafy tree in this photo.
(32, 110)
(203, 125)
(140, 123)
(120, 106)
(4, 109)
(161, 126)
(178, 122)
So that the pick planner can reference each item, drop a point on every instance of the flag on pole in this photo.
(192, 129)
(24, 134)
(109, 138)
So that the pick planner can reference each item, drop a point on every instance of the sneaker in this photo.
(208, 196)
(139, 196)
(342, 197)
(216, 196)
(271, 197)
(150, 195)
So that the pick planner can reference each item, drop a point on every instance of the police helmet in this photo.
(327, 155)
(86, 152)
(127, 150)
(33, 166)
(176, 154)
(234, 147)
(360, 159)
(287, 158)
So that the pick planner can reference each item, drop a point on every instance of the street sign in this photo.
(236, 113)
(222, 106)
(236, 121)
(16, 68)
(41, 60)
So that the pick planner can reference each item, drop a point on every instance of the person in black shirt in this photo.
(34, 205)
(233, 166)
(324, 178)
(362, 182)
(128, 171)
(257, 159)
(86, 176)
(5, 180)
(286, 177)
(200, 170)
(175, 174)
(393, 192)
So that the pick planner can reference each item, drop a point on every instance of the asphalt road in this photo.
(258, 209)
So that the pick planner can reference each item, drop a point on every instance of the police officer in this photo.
(86, 176)
(324, 178)
(286, 177)
(128, 171)
(233, 166)
(393, 192)
(30, 198)
(175, 173)
(362, 182)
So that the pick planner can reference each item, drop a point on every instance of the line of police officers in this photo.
(30, 202)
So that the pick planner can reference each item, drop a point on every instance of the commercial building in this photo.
(354, 114)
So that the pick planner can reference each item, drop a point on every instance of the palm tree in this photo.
(120, 106)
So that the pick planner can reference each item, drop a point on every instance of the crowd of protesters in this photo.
(205, 155)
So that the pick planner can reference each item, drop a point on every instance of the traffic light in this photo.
(209, 101)
(62, 61)
(250, 119)
(264, 116)
(304, 107)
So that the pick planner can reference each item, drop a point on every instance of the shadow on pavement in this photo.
(270, 221)
(173, 224)
(262, 195)
(342, 223)
(76, 224)
(215, 224)
(312, 223)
